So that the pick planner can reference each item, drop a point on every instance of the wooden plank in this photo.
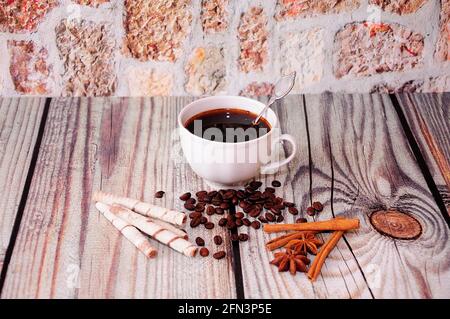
(262, 280)
(362, 162)
(125, 146)
(19, 125)
(428, 115)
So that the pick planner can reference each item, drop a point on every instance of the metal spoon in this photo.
(282, 88)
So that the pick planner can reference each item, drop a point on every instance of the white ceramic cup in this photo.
(231, 164)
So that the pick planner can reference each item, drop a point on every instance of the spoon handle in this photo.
(272, 100)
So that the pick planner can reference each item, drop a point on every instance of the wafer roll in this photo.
(164, 214)
(154, 230)
(128, 231)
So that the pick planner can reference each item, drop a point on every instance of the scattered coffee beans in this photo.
(218, 240)
(258, 206)
(185, 196)
(210, 210)
(204, 252)
(317, 206)
(234, 237)
(243, 237)
(301, 220)
(256, 224)
(200, 241)
(159, 194)
(223, 222)
(219, 255)
(209, 225)
(276, 183)
(311, 211)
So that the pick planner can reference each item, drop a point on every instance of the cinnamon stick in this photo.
(156, 231)
(284, 240)
(316, 266)
(128, 231)
(341, 224)
(164, 214)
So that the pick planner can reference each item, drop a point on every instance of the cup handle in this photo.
(271, 167)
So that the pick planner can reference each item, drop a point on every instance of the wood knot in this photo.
(396, 224)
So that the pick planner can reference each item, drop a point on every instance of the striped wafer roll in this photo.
(158, 232)
(164, 214)
(129, 232)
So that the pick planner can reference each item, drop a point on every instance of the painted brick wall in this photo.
(200, 47)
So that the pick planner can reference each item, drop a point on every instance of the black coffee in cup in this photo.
(227, 125)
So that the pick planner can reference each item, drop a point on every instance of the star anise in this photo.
(290, 260)
(307, 243)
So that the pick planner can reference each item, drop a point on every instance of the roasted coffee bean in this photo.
(200, 241)
(278, 201)
(200, 208)
(317, 206)
(223, 222)
(194, 215)
(231, 225)
(239, 215)
(280, 219)
(254, 212)
(219, 211)
(235, 201)
(243, 204)
(289, 204)
(311, 211)
(216, 202)
(255, 184)
(246, 222)
(205, 199)
(262, 219)
(228, 195)
(212, 193)
(234, 237)
(268, 205)
(225, 206)
(279, 207)
(209, 225)
(204, 252)
(210, 210)
(159, 194)
(293, 210)
(191, 201)
(254, 197)
(230, 217)
(243, 237)
(185, 196)
(239, 222)
(195, 222)
(189, 206)
(255, 224)
(301, 220)
(270, 190)
(269, 217)
(240, 194)
(201, 194)
(276, 183)
(275, 211)
(218, 240)
(203, 220)
(219, 255)
(249, 190)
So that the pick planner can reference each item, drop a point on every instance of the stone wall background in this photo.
(195, 47)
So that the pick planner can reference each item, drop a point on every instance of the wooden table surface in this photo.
(357, 154)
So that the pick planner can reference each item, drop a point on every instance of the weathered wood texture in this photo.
(360, 162)
(127, 147)
(353, 157)
(428, 116)
(19, 125)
